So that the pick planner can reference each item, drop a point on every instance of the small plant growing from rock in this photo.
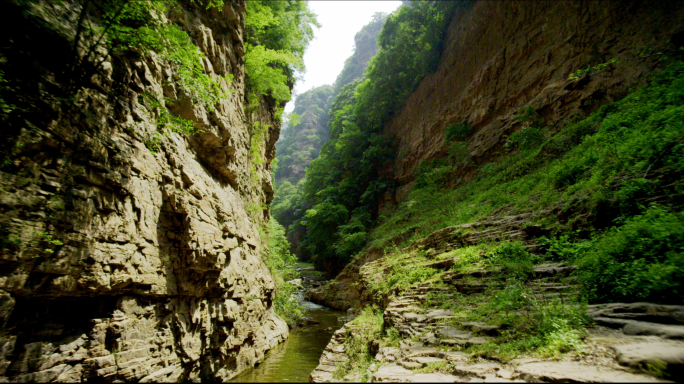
(458, 132)
(531, 135)
(580, 72)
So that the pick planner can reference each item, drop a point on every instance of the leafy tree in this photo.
(277, 33)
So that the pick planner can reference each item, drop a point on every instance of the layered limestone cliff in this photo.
(501, 56)
(120, 263)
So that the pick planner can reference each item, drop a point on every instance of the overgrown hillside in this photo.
(308, 125)
(302, 140)
(509, 261)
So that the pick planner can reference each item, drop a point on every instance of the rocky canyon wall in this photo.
(500, 56)
(121, 263)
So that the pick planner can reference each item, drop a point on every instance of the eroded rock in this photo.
(159, 275)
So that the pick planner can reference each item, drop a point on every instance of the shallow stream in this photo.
(297, 357)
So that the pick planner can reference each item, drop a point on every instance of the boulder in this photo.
(666, 355)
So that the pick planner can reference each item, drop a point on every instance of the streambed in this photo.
(295, 359)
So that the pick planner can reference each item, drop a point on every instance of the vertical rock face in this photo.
(119, 263)
(500, 56)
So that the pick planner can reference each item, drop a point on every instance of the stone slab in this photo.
(567, 371)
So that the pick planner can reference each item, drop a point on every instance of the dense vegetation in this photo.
(301, 141)
(336, 203)
(608, 194)
(280, 262)
(277, 33)
(608, 189)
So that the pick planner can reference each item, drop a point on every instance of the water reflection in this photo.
(293, 360)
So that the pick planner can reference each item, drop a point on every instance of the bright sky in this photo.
(334, 41)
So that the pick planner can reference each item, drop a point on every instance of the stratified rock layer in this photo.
(159, 276)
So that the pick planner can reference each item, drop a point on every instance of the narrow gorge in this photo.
(487, 192)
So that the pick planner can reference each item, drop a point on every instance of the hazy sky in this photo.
(334, 41)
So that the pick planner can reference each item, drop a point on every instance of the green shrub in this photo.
(526, 138)
(576, 75)
(514, 259)
(563, 248)
(641, 260)
(432, 173)
(458, 150)
(364, 328)
(534, 324)
(278, 258)
(277, 33)
(403, 277)
(531, 135)
(458, 132)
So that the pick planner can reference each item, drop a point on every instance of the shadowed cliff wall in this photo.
(159, 275)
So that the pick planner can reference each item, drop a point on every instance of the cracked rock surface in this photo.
(157, 274)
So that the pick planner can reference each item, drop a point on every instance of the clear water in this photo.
(293, 360)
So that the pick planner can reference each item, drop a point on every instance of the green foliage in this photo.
(515, 260)
(469, 258)
(352, 236)
(176, 48)
(47, 238)
(364, 328)
(641, 260)
(305, 134)
(580, 72)
(592, 171)
(398, 271)
(526, 138)
(458, 132)
(563, 248)
(402, 278)
(531, 135)
(610, 165)
(5, 108)
(410, 45)
(432, 173)
(534, 324)
(347, 172)
(293, 119)
(256, 149)
(166, 122)
(277, 33)
(265, 75)
(278, 258)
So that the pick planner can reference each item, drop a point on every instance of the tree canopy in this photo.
(277, 34)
